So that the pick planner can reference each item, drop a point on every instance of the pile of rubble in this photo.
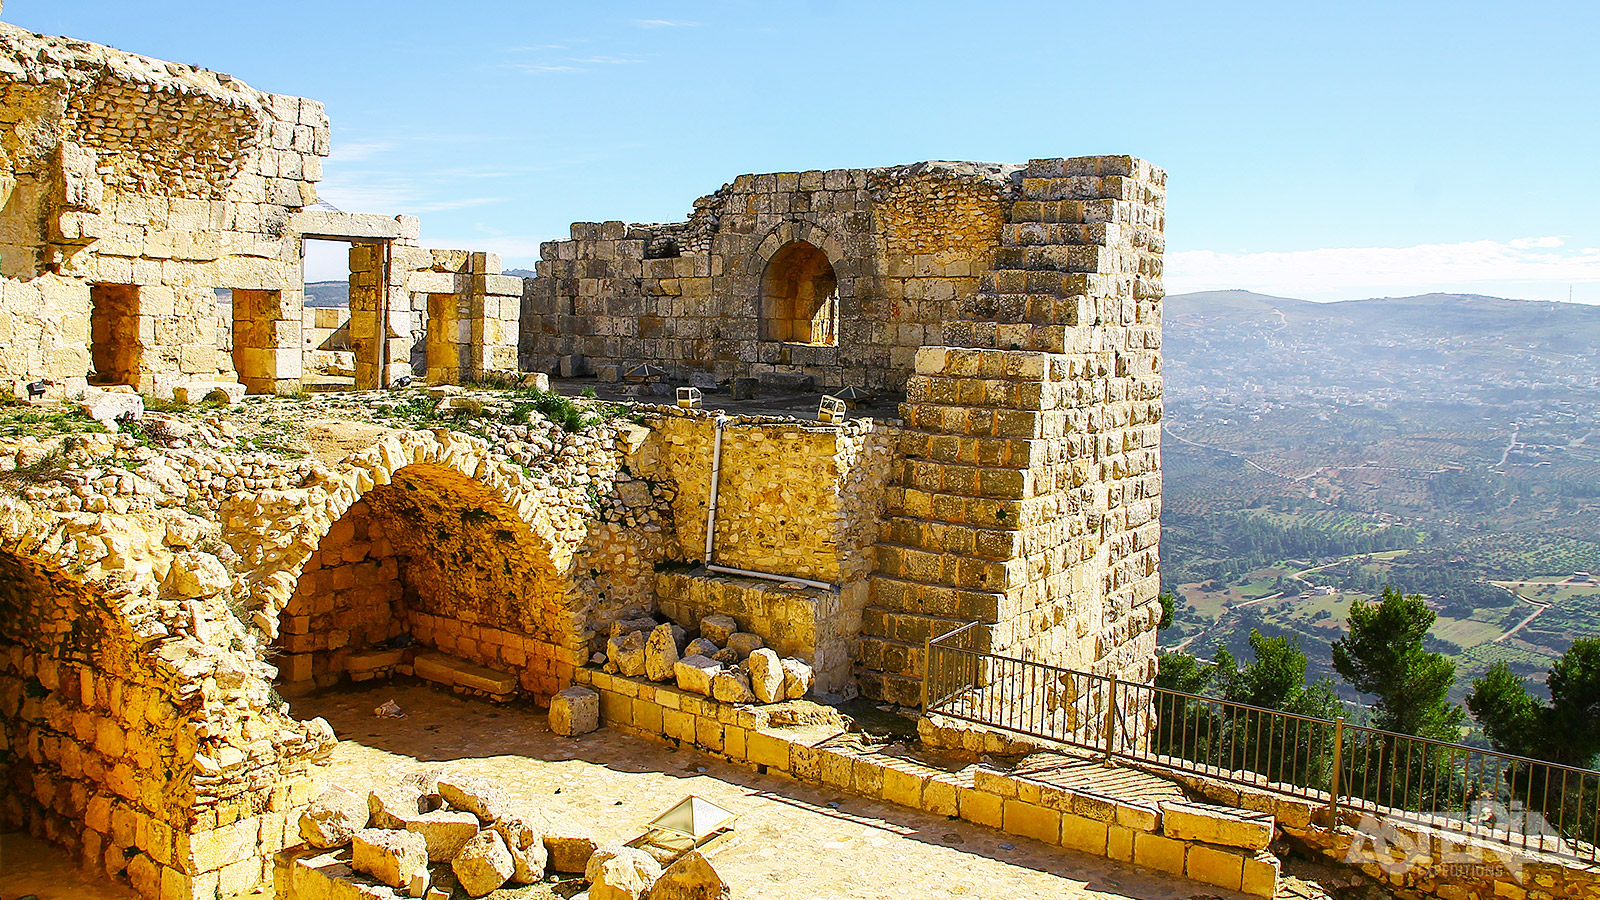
(724, 663)
(435, 831)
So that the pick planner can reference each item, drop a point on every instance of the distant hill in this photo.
(1446, 444)
(1572, 326)
(327, 293)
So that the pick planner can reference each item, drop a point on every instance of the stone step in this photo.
(1073, 258)
(453, 672)
(1033, 234)
(908, 628)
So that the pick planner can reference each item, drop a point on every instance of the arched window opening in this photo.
(800, 297)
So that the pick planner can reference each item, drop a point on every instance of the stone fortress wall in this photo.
(876, 259)
(155, 598)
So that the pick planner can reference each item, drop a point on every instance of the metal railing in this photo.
(1402, 779)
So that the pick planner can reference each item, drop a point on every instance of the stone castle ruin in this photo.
(158, 599)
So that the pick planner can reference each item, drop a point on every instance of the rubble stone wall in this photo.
(172, 181)
(906, 246)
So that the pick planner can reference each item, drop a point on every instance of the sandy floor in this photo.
(794, 841)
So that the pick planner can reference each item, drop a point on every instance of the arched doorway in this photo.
(432, 561)
(800, 297)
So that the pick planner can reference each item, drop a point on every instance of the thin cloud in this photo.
(536, 69)
(355, 151)
(664, 23)
(1543, 262)
(606, 60)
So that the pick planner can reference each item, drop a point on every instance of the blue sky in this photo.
(1318, 150)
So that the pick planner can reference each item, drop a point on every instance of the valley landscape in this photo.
(1448, 445)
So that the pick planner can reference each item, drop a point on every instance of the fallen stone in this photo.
(479, 796)
(574, 711)
(107, 407)
(732, 686)
(696, 673)
(744, 643)
(391, 806)
(442, 391)
(393, 857)
(483, 865)
(660, 654)
(333, 818)
(690, 878)
(797, 679)
(701, 647)
(766, 676)
(718, 628)
(229, 392)
(627, 653)
(526, 845)
(446, 832)
(568, 842)
(727, 656)
(616, 872)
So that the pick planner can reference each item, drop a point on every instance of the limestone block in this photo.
(660, 653)
(627, 653)
(227, 391)
(574, 711)
(1216, 825)
(701, 647)
(106, 407)
(484, 864)
(732, 686)
(696, 674)
(479, 796)
(393, 857)
(616, 872)
(392, 806)
(744, 643)
(766, 676)
(568, 842)
(333, 818)
(446, 832)
(718, 629)
(797, 679)
(690, 878)
(526, 845)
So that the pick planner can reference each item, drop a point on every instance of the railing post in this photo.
(927, 651)
(1111, 718)
(1338, 766)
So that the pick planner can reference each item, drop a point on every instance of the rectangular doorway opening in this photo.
(114, 345)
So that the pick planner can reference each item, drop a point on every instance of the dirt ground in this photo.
(793, 841)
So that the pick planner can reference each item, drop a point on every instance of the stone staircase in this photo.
(993, 515)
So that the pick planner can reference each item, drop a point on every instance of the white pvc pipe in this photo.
(729, 570)
(716, 480)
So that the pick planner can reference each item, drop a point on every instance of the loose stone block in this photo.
(691, 877)
(766, 676)
(484, 864)
(696, 674)
(568, 842)
(333, 818)
(574, 711)
(526, 845)
(718, 629)
(445, 831)
(616, 872)
(392, 857)
(660, 653)
(479, 796)
(744, 643)
(797, 679)
(732, 686)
